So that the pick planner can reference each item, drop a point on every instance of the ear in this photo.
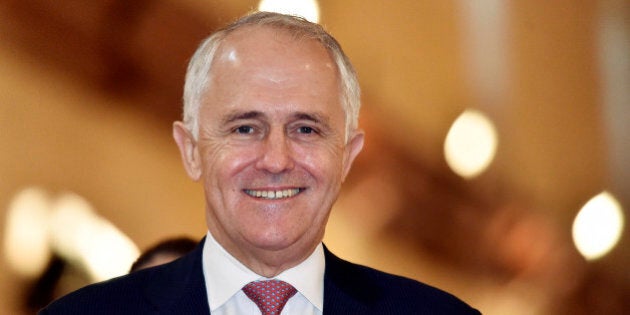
(188, 150)
(353, 147)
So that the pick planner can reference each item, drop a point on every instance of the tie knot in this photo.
(269, 295)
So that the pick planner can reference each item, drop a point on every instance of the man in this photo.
(270, 130)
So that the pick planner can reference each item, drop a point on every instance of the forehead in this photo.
(272, 48)
(270, 64)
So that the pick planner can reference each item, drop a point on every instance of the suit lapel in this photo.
(179, 287)
(348, 289)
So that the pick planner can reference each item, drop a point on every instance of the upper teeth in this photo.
(272, 194)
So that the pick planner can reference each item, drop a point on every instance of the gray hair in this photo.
(197, 75)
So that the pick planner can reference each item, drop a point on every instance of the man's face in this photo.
(271, 151)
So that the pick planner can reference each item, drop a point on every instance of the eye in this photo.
(244, 129)
(306, 130)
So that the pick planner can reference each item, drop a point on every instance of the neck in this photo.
(265, 262)
(270, 264)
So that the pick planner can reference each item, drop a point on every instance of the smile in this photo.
(274, 194)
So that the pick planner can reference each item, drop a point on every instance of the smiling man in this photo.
(270, 131)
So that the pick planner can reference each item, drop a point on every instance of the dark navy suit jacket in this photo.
(179, 288)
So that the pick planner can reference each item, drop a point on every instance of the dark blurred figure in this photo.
(163, 252)
(42, 291)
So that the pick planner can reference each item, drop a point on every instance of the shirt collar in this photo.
(225, 275)
(308, 277)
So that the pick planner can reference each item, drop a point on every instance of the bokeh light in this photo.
(70, 223)
(108, 253)
(308, 9)
(79, 235)
(26, 245)
(470, 144)
(598, 226)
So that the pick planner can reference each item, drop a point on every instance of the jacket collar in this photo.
(347, 287)
(179, 286)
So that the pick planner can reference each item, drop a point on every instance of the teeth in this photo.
(273, 194)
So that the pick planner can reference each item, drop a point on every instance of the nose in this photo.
(276, 154)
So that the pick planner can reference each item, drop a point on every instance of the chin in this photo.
(274, 240)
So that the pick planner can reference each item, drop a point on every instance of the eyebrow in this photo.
(314, 117)
(234, 116)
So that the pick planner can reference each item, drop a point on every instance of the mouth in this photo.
(274, 194)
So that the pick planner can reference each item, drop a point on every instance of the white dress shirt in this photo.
(225, 276)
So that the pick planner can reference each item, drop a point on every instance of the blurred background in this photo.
(496, 165)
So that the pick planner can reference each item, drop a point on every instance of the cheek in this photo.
(222, 163)
(223, 176)
(324, 163)
(222, 166)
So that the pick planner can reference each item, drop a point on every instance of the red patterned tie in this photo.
(269, 295)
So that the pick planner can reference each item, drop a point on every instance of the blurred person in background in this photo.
(163, 252)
